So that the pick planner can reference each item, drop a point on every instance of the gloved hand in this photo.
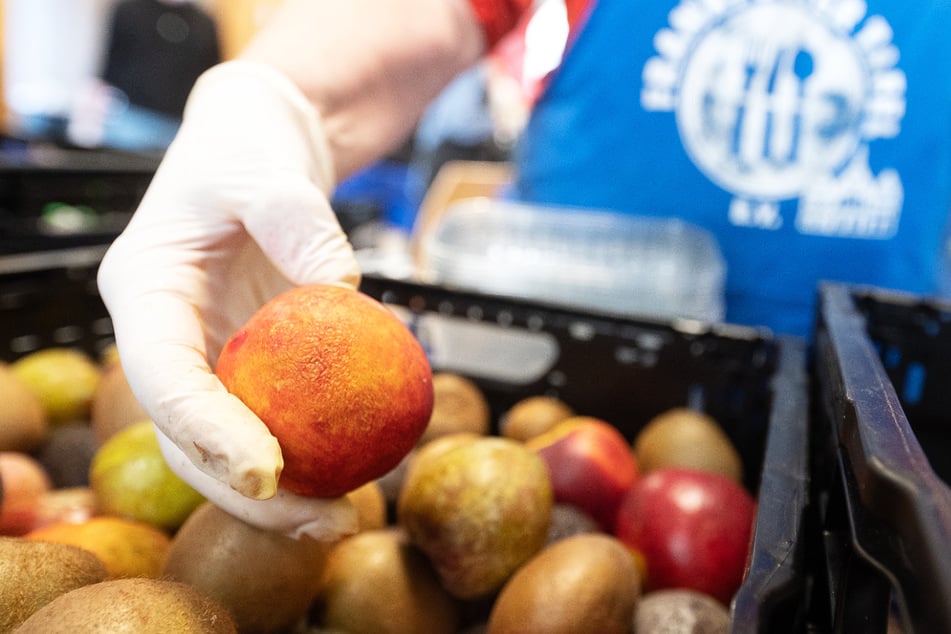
(236, 213)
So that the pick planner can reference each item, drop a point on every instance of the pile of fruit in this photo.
(560, 524)
(553, 523)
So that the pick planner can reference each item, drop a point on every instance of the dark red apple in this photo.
(590, 463)
(693, 529)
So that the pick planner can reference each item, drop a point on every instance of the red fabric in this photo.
(508, 54)
(577, 10)
(498, 17)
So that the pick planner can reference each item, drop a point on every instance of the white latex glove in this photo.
(236, 213)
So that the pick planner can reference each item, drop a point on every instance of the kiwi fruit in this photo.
(532, 416)
(114, 406)
(586, 583)
(265, 579)
(23, 422)
(680, 611)
(568, 520)
(459, 405)
(682, 437)
(34, 573)
(377, 582)
(67, 454)
(370, 503)
(136, 605)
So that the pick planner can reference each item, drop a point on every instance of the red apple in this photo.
(692, 527)
(590, 464)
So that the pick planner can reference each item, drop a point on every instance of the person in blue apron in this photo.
(809, 137)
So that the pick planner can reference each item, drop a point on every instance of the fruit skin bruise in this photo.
(338, 379)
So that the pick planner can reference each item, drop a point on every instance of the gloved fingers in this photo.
(300, 234)
(325, 519)
(221, 437)
(249, 164)
(161, 344)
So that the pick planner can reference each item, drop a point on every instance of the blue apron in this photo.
(811, 138)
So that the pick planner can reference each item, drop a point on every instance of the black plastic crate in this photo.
(49, 299)
(622, 370)
(99, 189)
(881, 461)
(625, 371)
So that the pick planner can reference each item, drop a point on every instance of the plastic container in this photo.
(882, 462)
(626, 265)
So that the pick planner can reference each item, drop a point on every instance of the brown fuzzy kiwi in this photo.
(680, 611)
(376, 582)
(370, 503)
(532, 416)
(136, 605)
(114, 406)
(585, 583)
(459, 405)
(682, 437)
(34, 573)
(568, 520)
(265, 579)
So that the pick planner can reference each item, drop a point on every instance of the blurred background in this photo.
(93, 92)
(56, 52)
(99, 86)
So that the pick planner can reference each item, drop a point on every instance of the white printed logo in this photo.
(777, 100)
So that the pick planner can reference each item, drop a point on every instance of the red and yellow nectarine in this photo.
(338, 379)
